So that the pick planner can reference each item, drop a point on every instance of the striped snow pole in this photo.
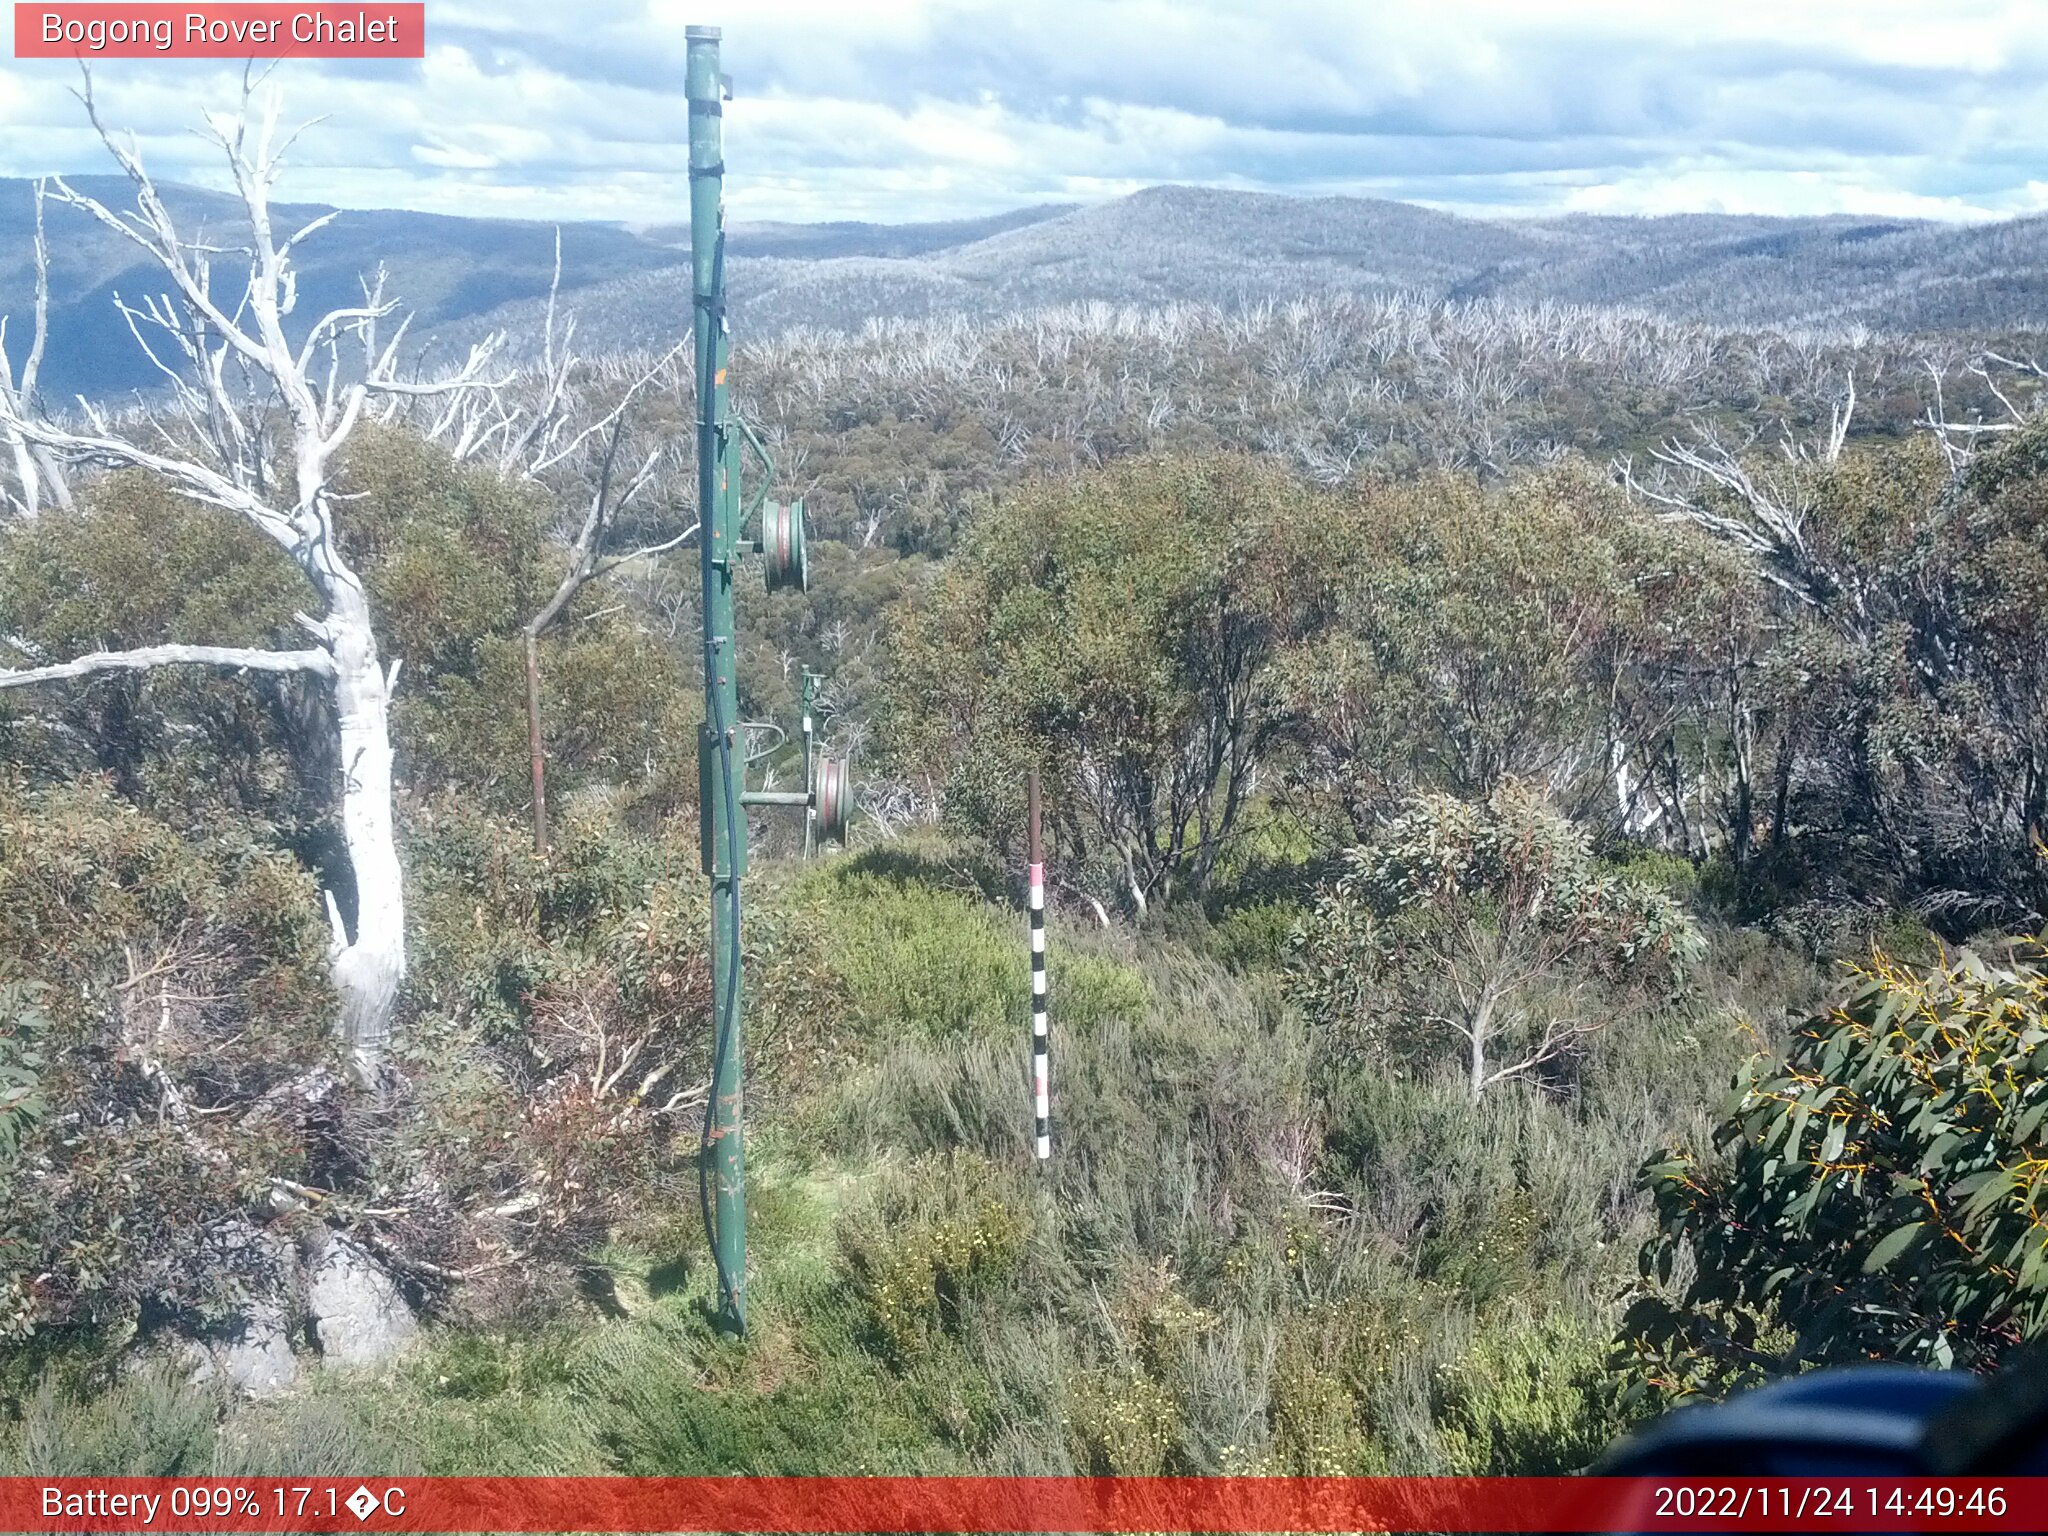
(1041, 1040)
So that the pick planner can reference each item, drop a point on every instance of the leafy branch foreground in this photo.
(1883, 1193)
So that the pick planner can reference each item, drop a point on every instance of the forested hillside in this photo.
(467, 277)
(1474, 734)
(1169, 245)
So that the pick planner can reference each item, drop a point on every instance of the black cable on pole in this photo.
(728, 1286)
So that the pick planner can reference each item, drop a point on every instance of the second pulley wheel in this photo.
(833, 800)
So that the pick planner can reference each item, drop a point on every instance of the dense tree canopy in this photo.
(1316, 625)
(454, 557)
(1122, 632)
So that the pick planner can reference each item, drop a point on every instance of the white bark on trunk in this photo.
(35, 470)
(1481, 1027)
(31, 481)
(222, 457)
(368, 963)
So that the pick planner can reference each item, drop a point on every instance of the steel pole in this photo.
(725, 827)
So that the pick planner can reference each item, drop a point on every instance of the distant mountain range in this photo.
(628, 285)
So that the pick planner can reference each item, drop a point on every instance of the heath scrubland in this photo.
(1473, 736)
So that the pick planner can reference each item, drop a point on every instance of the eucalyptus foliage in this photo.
(1882, 1193)
(1121, 631)
(22, 1023)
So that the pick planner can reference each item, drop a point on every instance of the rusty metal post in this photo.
(533, 747)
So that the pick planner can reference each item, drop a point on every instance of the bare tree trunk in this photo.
(1482, 1024)
(1675, 774)
(236, 368)
(588, 555)
(1781, 793)
(1742, 732)
(34, 467)
(368, 963)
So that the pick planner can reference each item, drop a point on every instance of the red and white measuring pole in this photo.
(1041, 1040)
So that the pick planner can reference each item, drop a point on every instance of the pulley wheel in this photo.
(785, 564)
(834, 800)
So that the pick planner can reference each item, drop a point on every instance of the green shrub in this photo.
(1131, 620)
(469, 1402)
(926, 1243)
(1530, 1396)
(1122, 1423)
(1485, 933)
(1316, 1425)
(135, 564)
(1878, 1194)
(178, 984)
(149, 1422)
(920, 963)
(1156, 1321)
(22, 1024)
(339, 1431)
(912, 962)
(1904, 939)
(1257, 937)
(1491, 1260)
(663, 1399)
(1673, 874)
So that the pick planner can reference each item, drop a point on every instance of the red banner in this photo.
(990, 1504)
(315, 31)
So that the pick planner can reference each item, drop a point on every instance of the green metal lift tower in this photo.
(722, 746)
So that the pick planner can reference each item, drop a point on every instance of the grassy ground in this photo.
(1249, 1253)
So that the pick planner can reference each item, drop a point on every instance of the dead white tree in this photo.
(518, 429)
(1756, 504)
(36, 472)
(1961, 441)
(252, 425)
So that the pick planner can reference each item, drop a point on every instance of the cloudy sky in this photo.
(916, 109)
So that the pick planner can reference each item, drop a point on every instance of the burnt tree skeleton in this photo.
(36, 471)
(232, 371)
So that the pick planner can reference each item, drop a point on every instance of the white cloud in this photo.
(933, 108)
(1780, 193)
(453, 158)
